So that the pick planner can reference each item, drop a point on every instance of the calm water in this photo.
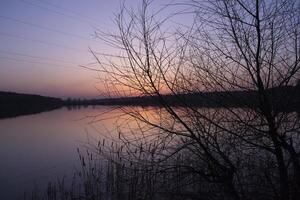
(36, 149)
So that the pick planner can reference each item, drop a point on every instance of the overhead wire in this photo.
(36, 57)
(44, 28)
(78, 19)
(41, 42)
(67, 10)
(38, 62)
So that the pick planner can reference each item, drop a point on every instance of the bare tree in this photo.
(254, 45)
(240, 59)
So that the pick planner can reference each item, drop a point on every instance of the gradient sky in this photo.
(44, 41)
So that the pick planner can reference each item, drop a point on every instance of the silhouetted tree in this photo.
(251, 152)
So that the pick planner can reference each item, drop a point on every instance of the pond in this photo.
(36, 149)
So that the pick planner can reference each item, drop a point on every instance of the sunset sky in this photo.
(43, 42)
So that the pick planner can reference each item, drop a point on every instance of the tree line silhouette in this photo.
(15, 104)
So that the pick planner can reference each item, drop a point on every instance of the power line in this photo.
(44, 28)
(42, 42)
(84, 21)
(36, 57)
(68, 10)
(38, 62)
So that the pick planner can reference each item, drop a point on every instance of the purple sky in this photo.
(44, 41)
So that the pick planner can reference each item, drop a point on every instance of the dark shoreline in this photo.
(15, 104)
(285, 99)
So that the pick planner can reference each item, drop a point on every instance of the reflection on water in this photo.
(36, 149)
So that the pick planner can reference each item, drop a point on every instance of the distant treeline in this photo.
(14, 104)
(284, 99)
